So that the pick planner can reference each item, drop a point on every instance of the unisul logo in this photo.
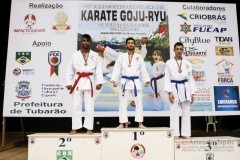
(23, 90)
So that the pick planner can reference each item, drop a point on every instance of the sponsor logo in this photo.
(138, 150)
(23, 57)
(54, 59)
(28, 72)
(224, 72)
(199, 75)
(208, 29)
(41, 44)
(61, 18)
(224, 40)
(17, 71)
(224, 50)
(208, 17)
(195, 61)
(64, 154)
(226, 98)
(194, 40)
(30, 21)
(193, 51)
(23, 90)
(185, 28)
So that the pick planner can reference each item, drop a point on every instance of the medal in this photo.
(179, 65)
(85, 57)
(130, 60)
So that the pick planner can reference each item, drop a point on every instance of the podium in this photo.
(136, 143)
(130, 144)
(208, 148)
(62, 146)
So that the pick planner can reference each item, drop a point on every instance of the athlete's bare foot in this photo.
(120, 126)
(126, 125)
(73, 132)
(186, 137)
(141, 125)
(89, 132)
(176, 138)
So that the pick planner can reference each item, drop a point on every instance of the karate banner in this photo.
(44, 34)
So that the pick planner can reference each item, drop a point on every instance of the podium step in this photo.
(209, 148)
(62, 146)
(135, 143)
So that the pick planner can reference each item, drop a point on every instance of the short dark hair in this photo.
(130, 38)
(87, 36)
(178, 44)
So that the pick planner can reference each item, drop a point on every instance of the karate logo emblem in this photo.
(138, 150)
(23, 57)
(54, 59)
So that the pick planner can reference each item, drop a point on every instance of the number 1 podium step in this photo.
(136, 143)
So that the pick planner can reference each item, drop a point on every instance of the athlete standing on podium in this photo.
(131, 68)
(80, 82)
(180, 86)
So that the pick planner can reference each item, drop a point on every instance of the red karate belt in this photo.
(82, 75)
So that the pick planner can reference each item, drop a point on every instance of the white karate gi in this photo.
(182, 93)
(82, 92)
(158, 71)
(137, 68)
(112, 55)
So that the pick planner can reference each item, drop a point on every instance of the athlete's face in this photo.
(86, 43)
(130, 45)
(178, 51)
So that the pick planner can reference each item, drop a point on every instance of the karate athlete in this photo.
(112, 55)
(157, 82)
(180, 86)
(131, 68)
(80, 82)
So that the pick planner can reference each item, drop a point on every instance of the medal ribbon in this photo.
(179, 65)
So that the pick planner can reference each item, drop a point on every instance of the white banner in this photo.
(44, 34)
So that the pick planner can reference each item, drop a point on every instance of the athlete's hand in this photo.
(171, 97)
(114, 84)
(146, 84)
(69, 87)
(99, 86)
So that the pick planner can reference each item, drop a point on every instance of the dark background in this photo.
(32, 124)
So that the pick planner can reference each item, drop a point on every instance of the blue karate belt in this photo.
(105, 75)
(130, 78)
(176, 85)
(155, 83)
